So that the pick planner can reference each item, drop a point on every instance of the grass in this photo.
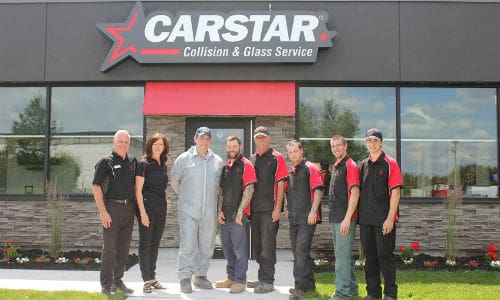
(428, 285)
(6, 294)
(414, 285)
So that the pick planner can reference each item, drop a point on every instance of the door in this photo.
(221, 129)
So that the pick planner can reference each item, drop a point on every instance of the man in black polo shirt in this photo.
(113, 189)
(271, 171)
(381, 184)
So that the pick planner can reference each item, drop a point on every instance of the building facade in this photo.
(424, 72)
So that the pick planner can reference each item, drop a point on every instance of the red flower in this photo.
(10, 241)
(402, 248)
(6, 249)
(415, 246)
(492, 248)
(77, 260)
(472, 264)
(494, 256)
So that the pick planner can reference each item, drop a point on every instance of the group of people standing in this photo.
(243, 193)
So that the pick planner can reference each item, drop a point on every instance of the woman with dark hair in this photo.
(152, 201)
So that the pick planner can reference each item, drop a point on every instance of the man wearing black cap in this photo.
(381, 184)
(271, 170)
(195, 177)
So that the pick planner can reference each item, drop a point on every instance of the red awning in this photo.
(220, 98)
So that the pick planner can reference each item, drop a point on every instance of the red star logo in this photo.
(323, 36)
(115, 32)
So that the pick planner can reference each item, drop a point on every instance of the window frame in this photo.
(398, 86)
(48, 132)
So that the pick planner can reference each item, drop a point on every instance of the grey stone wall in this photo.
(25, 222)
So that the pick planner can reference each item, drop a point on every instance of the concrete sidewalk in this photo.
(167, 274)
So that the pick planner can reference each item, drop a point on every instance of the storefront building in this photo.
(426, 73)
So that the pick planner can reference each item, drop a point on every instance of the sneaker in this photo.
(252, 283)
(203, 283)
(121, 287)
(106, 291)
(225, 284)
(296, 292)
(186, 287)
(237, 288)
(263, 287)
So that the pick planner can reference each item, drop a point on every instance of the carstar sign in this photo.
(213, 37)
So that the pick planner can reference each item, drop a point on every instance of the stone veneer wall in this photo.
(25, 221)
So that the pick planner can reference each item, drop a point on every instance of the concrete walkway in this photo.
(167, 274)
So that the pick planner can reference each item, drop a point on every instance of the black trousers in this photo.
(263, 235)
(149, 241)
(116, 242)
(378, 250)
(301, 236)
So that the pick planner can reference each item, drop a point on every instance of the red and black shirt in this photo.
(304, 179)
(270, 168)
(235, 177)
(345, 176)
(378, 179)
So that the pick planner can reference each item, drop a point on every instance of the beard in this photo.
(233, 154)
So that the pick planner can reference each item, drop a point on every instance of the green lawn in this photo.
(415, 285)
(57, 295)
(426, 285)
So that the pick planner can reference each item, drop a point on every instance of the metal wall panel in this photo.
(22, 42)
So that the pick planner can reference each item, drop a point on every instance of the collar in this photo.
(343, 160)
(269, 152)
(238, 158)
(151, 160)
(115, 155)
(300, 165)
(379, 158)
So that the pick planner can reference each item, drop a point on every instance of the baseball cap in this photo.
(373, 133)
(203, 130)
(260, 131)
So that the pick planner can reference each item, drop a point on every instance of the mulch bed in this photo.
(91, 265)
(463, 264)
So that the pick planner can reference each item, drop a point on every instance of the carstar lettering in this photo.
(235, 28)
(234, 37)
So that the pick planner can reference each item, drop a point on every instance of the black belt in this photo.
(120, 201)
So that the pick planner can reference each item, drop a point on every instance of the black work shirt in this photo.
(270, 168)
(345, 176)
(116, 176)
(235, 177)
(304, 180)
(378, 179)
(155, 181)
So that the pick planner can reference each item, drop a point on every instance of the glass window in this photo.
(350, 111)
(83, 122)
(449, 138)
(22, 140)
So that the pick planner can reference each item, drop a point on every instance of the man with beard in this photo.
(237, 180)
